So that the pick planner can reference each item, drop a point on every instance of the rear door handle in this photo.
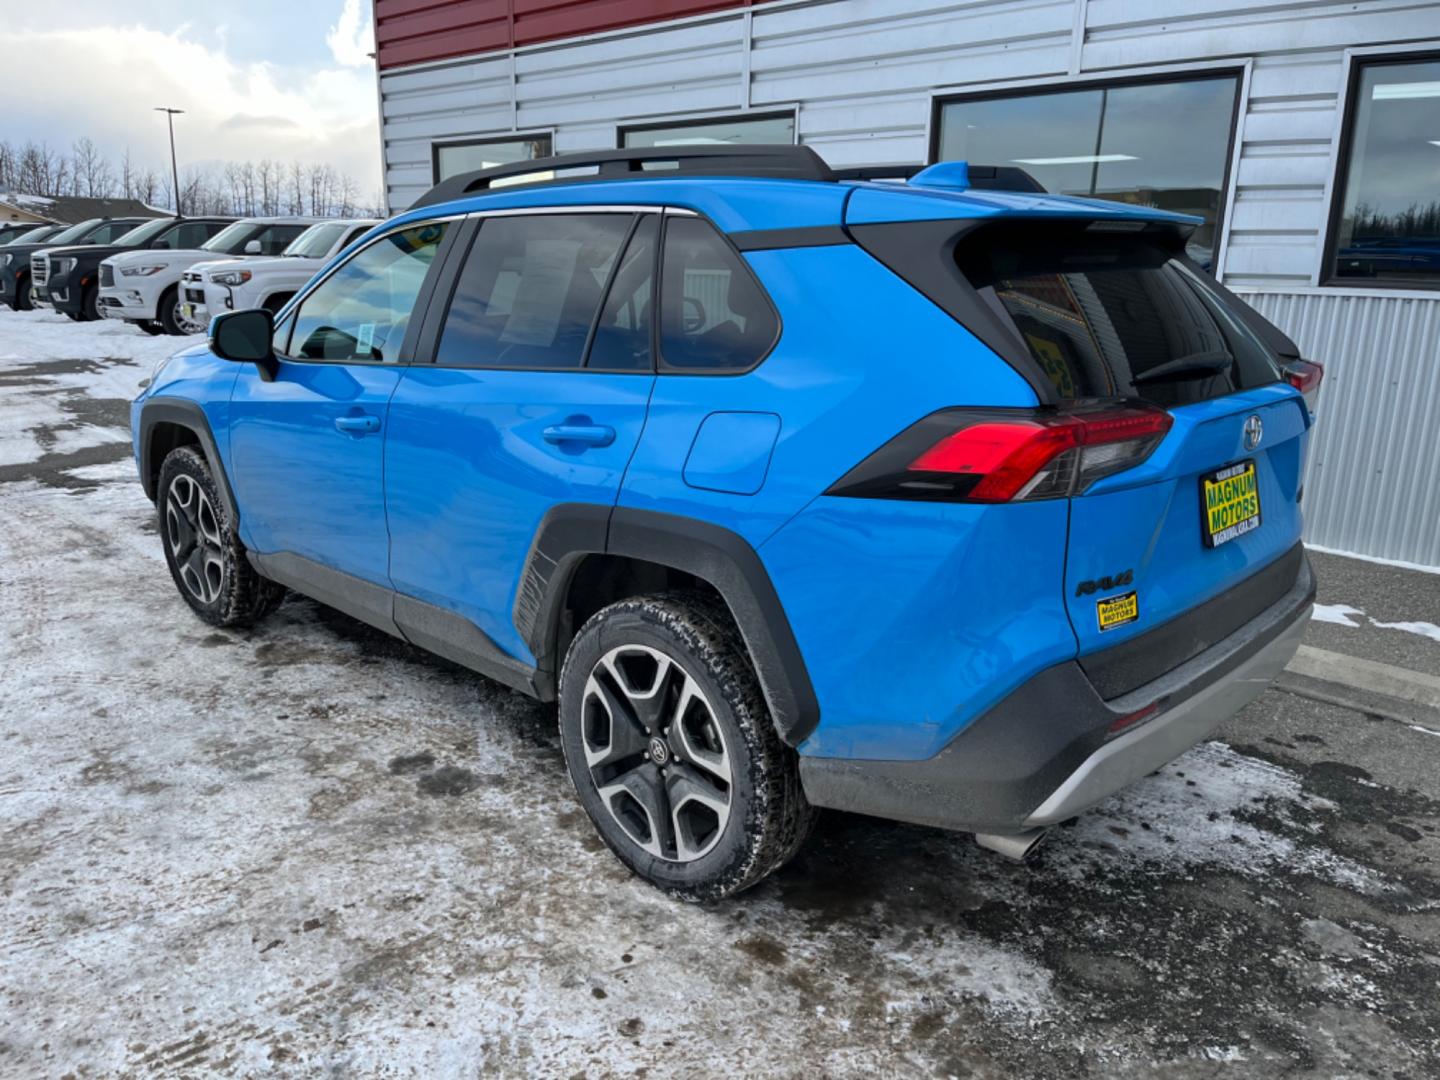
(357, 425)
(589, 434)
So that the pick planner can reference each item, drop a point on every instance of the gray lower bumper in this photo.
(1049, 750)
(1141, 751)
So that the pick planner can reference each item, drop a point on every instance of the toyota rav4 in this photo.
(948, 501)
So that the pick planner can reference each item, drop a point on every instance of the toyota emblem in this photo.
(1254, 432)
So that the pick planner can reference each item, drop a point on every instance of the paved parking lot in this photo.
(307, 847)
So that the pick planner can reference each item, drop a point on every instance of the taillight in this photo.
(1009, 455)
(1305, 376)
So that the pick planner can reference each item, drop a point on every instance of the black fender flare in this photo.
(187, 414)
(724, 559)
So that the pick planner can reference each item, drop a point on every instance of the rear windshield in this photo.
(1114, 315)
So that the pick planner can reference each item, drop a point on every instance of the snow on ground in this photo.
(1340, 615)
(229, 852)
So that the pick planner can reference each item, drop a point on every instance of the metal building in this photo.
(1306, 132)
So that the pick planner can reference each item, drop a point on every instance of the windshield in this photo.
(314, 241)
(141, 233)
(33, 236)
(75, 232)
(230, 239)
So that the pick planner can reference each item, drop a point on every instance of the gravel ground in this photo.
(309, 848)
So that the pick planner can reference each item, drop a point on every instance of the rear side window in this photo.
(713, 315)
(1112, 315)
(622, 334)
(530, 290)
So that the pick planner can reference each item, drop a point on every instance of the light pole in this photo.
(174, 169)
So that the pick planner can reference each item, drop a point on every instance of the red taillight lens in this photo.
(973, 456)
(1305, 376)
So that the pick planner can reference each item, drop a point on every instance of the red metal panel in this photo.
(414, 31)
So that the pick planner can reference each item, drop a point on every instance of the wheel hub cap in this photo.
(192, 532)
(656, 753)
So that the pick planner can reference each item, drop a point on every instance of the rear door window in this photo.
(1114, 315)
(530, 290)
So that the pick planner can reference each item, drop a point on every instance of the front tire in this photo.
(672, 750)
(171, 320)
(22, 293)
(90, 304)
(203, 550)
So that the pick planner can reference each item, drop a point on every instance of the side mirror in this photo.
(253, 247)
(244, 336)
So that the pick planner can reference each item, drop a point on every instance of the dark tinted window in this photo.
(530, 289)
(1389, 227)
(276, 238)
(713, 316)
(188, 235)
(111, 230)
(1112, 316)
(622, 336)
(362, 310)
(1163, 144)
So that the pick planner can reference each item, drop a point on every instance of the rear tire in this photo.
(203, 550)
(672, 750)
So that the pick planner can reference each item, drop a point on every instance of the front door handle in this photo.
(357, 425)
(589, 434)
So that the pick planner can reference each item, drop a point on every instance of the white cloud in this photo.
(104, 81)
(350, 38)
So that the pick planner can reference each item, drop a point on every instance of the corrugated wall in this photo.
(861, 74)
(1373, 481)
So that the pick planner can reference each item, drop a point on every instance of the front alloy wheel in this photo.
(656, 754)
(193, 533)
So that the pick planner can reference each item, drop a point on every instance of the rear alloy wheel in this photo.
(672, 750)
(202, 549)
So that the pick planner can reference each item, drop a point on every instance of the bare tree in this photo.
(127, 175)
(90, 172)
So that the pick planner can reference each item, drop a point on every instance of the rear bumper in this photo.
(1048, 751)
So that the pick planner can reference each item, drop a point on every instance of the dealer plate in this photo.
(1229, 503)
(1116, 611)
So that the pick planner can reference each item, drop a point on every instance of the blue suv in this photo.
(948, 501)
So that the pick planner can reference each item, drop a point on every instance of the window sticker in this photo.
(544, 284)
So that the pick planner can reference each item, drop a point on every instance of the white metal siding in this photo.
(861, 75)
(1373, 479)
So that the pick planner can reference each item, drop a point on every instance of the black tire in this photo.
(204, 553)
(767, 816)
(90, 304)
(151, 328)
(22, 293)
(166, 313)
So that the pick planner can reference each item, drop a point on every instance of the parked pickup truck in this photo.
(212, 288)
(15, 284)
(68, 278)
(143, 287)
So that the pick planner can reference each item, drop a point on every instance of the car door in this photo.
(307, 443)
(536, 395)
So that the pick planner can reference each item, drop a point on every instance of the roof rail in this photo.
(956, 175)
(708, 159)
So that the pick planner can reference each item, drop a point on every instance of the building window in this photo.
(1387, 230)
(1159, 142)
(776, 128)
(451, 159)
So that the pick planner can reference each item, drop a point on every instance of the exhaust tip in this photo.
(1016, 846)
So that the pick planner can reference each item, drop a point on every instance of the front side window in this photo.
(530, 289)
(109, 232)
(451, 159)
(776, 129)
(1389, 220)
(1164, 144)
(713, 316)
(315, 241)
(362, 310)
(142, 234)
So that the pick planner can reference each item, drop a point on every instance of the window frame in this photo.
(792, 114)
(1356, 61)
(1175, 73)
(418, 317)
(547, 134)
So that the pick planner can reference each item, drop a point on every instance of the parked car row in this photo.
(167, 274)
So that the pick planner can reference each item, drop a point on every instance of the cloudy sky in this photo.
(287, 79)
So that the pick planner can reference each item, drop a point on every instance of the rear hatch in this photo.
(1183, 538)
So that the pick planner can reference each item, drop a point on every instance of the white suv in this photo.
(213, 288)
(143, 287)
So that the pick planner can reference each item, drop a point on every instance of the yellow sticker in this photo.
(1116, 611)
(1231, 503)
